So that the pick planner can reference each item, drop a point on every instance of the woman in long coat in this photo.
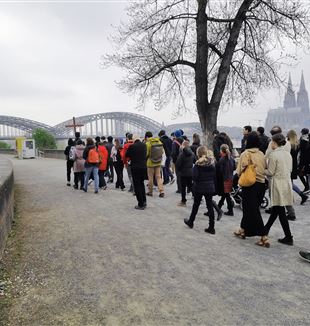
(279, 169)
(252, 223)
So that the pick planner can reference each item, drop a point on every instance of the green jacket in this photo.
(149, 143)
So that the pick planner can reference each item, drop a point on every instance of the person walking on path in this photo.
(78, 165)
(204, 186)
(117, 154)
(246, 130)
(252, 196)
(177, 142)
(91, 157)
(304, 144)
(225, 173)
(110, 169)
(196, 143)
(103, 166)
(167, 143)
(129, 142)
(292, 138)
(154, 157)
(69, 160)
(184, 164)
(136, 153)
(279, 168)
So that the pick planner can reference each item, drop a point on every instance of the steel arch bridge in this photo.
(108, 123)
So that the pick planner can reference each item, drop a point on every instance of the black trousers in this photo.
(119, 168)
(229, 201)
(279, 211)
(138, 177)
(69, 168)
(79, 177)
(110, 170)
(197, 201)
(102, 182)
(186, 182)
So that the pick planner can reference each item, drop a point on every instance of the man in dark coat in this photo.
(110, 170)
(263, 139)
(167, 144)
(137, 155)
(246, 130)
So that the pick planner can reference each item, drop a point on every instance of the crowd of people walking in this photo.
(263, 165)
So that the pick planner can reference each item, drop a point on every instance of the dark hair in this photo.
(196, 139)
(215, 132)
(148, 134)
(261, 130)
(304, 131)
(102, 137)
(161, 133)
(110, 139)
(248, 128)
(275, 130)
(172, 134)
(77, 134)
(182, 132)
(129, 136)
(89, 141)
(70, 142)
(279, 139)
(80, 142)
(252, 140)
(97, 139)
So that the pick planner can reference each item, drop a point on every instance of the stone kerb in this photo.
(6, 200)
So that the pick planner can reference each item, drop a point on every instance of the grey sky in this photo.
(49, 63)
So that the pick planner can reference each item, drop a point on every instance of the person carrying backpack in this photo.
(70, 160)
(92, 161)
(154, 155)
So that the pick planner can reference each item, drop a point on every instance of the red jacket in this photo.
(104, 155)
(126, 146)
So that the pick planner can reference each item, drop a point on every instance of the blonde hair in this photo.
(225, 149)
(292, 138)
(202, 151)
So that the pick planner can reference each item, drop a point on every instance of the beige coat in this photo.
(279, 169)
(258, 160)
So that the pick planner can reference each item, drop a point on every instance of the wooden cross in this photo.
(74, 125)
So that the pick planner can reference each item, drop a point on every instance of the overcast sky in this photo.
(50, 65)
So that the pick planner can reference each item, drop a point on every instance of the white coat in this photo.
(279, 168)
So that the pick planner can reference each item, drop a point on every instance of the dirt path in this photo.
(86, 259)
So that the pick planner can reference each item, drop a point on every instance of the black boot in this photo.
(189, 223)
(287, 240)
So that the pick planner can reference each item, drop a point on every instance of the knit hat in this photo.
(178, 133)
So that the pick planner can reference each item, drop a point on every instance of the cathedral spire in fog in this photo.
(302, 96)
(289, 100)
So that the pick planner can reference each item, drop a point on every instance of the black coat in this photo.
(167, 144)
(218, 141)
(185, 162)
(264, 142)
(304, 153)
(137, 154)
(204, 179)
(194, 147)
(294, 154)
(176, 149)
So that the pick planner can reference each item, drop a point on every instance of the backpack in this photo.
(157, 151)
(71, 155)
(93, 156)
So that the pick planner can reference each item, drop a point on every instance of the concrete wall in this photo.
(6, 200)
(54, 153)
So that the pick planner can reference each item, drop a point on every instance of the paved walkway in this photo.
(89, 259)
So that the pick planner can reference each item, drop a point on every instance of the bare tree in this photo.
(221, 50)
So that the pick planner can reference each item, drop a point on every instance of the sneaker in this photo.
(172, 181)
(149, 194)
(90, 182)
(182, 204)
(188, 223)
(141, 208)
(304, 198)
(305, 255)
(219, 214)
(105, 188)
(229, 213)
(210, 230)
(84, 190)
(96, 192)
(291, 218)
(75, 187)
(287, 241)
(306, 191)
(161, 195)
(68, 184)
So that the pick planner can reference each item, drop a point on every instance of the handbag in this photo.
(248, 175)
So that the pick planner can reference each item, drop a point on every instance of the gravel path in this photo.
(89, 259)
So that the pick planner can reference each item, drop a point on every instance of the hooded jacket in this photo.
(204, 176)
(185, 162)
(78, 165)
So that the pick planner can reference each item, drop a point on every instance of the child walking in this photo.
(225, 171)
(204, 186)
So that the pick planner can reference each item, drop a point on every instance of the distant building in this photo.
(295, 113)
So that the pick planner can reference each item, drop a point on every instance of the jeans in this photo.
(88, 172)
(296, 189)
(130, 177)
(166, 170)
